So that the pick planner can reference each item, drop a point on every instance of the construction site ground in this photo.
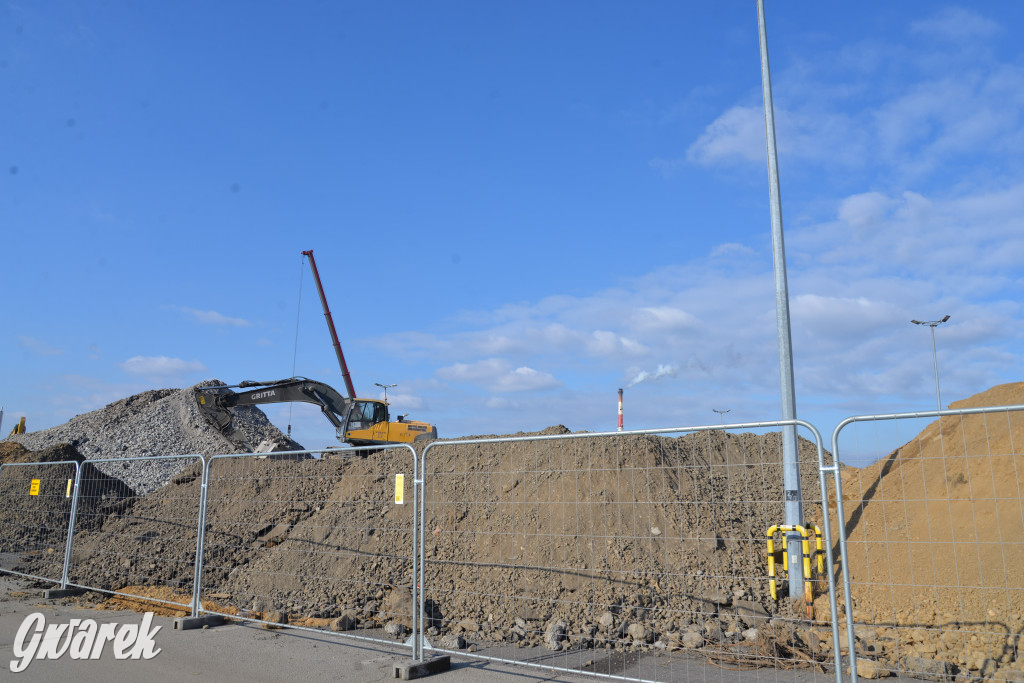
(240, 652)
(956, 480)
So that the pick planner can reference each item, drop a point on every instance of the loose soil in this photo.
(629, 543)
(936, 539)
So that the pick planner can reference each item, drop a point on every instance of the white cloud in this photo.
(869, 106)
(664, 319)
(610, 344)
(212, 317)
(160, 366)
(961, 239)
(839, 317)
(498, 375)
(40, 348)
(401, 401)
(956, 24)
(865, 210)
(736, 135)
(731, 250)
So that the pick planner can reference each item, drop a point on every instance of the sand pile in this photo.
(936, 538)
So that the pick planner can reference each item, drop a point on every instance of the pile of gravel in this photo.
(157, 422)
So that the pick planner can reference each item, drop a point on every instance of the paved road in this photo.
(247, 653)
(229, 653)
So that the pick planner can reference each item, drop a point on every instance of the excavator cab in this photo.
(366, 414)
(368, 423)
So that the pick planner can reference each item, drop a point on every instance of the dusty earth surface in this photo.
(936, 541)
(632, 543)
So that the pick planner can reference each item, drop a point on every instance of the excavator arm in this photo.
(295, 389)
(216, 403)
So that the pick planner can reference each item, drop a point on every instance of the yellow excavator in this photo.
(358, 421)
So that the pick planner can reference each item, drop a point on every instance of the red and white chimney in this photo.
(620, 409)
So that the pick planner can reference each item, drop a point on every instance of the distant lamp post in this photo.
(385, 387)
(721, 413)
(935, 359)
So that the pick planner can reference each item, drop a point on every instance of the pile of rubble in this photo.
(161, 422)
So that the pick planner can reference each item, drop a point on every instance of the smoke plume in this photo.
(662, 371)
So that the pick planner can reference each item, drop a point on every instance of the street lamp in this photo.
(385, 387)
(721, 413)
(935, 359)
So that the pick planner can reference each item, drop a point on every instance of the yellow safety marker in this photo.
(33, 490)
(806, 547)
(399, 489)
(68, 494)
(819, 550)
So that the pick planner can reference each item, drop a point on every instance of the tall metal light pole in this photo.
(935, 358)
(721, 413)
(790, 463)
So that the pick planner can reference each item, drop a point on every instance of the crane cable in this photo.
(295, 352)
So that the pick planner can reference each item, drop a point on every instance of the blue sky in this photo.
(516, 208)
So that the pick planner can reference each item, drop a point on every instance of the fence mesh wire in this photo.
(312, 542)
(935, 543)
(141, 541)
(638, 556)
(37, 499)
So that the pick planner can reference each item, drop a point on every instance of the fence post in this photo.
(71, 527)
(196, 620)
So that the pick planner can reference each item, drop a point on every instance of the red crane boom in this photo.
(330, 326)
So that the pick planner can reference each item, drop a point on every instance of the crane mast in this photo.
(330, 326)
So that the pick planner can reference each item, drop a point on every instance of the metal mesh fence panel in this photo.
(313, 542)
(35, 510)
(138, 539)
(934, 535)
(640, 556)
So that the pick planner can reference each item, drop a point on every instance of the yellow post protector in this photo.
(399, 489)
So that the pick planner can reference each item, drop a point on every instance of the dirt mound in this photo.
(105, 491)
(936, 530)
(12, 452)
(620, 542)
(664, 531)
(35, 504)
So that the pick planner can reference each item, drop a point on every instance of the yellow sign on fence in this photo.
(34, 488)
(399, 489)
